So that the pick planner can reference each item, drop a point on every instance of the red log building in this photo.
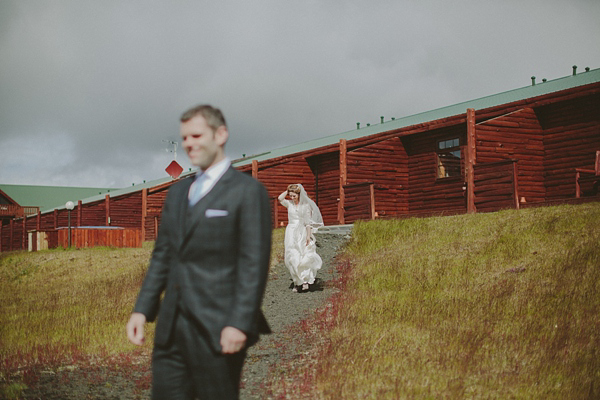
(531, 146)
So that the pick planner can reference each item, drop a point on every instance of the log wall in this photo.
(126, 211)
(154, 204)
(428, 194)
(495, 185)
(519, 136)
(93, 214)
(327, 175)
(358, 202)
(571, 139)
(385, 164)
(47, 221)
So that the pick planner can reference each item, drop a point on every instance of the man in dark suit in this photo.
(211, 260)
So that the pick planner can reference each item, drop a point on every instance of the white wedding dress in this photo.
(301, 259)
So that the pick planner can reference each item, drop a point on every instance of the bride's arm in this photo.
(281, 198)
(308, 232)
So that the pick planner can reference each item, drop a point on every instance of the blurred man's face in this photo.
(203, 146)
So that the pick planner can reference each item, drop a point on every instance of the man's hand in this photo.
(232, 340)
(135, 328)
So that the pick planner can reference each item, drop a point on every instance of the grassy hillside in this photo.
(499, 305)
(62, 307)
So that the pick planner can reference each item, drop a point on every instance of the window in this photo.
(448, 158)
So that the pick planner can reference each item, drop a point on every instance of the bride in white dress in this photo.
(304, 218)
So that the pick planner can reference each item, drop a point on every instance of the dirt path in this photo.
(283, 308)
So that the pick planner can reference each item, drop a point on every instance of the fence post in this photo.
(470, 160)
(155, 227)
(24, 234)
(107, 210)
(343, 178)
(255, 169)
(144, 213)
(372, 200)
(10, 236)
(516, 184)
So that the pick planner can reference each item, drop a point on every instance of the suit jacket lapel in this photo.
(196, 212)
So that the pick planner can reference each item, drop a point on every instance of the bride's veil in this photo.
(315, 218)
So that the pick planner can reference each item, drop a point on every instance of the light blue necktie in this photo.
(197, 189)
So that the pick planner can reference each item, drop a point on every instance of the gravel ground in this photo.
(283, 308)
(130, 379)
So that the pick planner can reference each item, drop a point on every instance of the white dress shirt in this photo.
(206, 180)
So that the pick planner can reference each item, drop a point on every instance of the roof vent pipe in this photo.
(358, 125)
(533, 81)
(587, 69)
(393, 118)
(381, 119)
(368, 124)
(574, 70)
(543, 80)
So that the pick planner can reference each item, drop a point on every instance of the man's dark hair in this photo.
(213, 116)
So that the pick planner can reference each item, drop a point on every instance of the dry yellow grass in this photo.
(501, 305)
(57, 306)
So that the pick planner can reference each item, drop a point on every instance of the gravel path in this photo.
(283, 308)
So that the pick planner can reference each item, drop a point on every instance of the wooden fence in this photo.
(92, 236)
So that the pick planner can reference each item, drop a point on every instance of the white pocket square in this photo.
(211, 213)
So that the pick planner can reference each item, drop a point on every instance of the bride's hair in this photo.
(294, 187)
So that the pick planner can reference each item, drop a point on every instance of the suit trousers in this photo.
(187, 367)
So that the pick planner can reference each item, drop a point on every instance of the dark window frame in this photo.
(448, 157)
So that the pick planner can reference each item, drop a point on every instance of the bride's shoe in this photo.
(295, 289)
(304, 286)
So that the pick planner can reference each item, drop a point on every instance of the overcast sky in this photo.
(91, 90)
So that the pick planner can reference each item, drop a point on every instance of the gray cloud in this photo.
(89, 90)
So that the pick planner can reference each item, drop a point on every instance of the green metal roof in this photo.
(49, 197)
(127, 190)
(568, 82)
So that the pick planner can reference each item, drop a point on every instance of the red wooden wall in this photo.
(427, 193)
(327, 176)
(93, 214)
(571, 138)
(96, 236)
(126, 211)
(385, 164)
(519, 136)
(155, 200)
(495, 185)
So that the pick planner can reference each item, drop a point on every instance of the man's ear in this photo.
(221, 135)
